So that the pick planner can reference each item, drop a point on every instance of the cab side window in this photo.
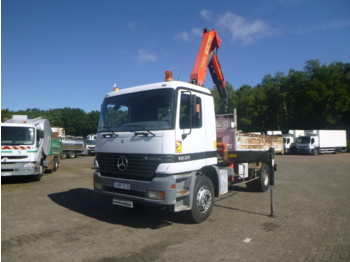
(190, 118)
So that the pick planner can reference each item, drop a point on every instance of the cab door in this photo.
(190, 131)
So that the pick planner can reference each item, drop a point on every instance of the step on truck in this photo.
(28, 147)
(156, 144)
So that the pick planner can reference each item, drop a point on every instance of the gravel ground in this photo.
(61, 218)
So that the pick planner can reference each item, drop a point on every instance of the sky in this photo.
(70, 53)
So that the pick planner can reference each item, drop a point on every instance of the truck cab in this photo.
(151, 138)
(307, 144)
(26, 147)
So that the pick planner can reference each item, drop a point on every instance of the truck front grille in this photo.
(139, 167)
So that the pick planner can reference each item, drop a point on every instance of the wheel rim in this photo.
(204, 199)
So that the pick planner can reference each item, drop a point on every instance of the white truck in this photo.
(90, 143)
(289, 140)
(321, 141)
(156, 144)
(27, 147)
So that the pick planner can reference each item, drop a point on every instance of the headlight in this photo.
(159, 195)
(29, 165)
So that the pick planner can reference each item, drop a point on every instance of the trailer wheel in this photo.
(71, 154)
(203, 200)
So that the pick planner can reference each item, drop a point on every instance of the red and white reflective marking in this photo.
(15, 148)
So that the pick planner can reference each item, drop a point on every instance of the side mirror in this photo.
(41, 134)
(192, 104)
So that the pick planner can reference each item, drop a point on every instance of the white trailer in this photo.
(321, 142)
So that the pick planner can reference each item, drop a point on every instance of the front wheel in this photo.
(41, 173)
(203, 200)
(63, 155)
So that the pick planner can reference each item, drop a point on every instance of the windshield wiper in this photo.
(110, 131)
(141, 133)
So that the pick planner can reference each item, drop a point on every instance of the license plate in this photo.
(6, 174)
(121, 185)
(123, 202)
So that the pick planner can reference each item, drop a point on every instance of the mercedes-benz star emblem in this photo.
(122, 163)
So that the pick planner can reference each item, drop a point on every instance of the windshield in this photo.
(90, 142)
(303, 140)
(16, 135)
(149, 110)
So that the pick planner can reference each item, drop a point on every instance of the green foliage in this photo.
(316, 98)
(76, 122)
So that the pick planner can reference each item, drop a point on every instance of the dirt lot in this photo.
(61, 218)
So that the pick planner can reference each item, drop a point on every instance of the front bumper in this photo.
(136, 190)
(303, 151)
(18, 169)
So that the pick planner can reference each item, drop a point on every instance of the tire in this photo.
(55, 164)
(316, 152)
(38, 176)
(203, 200)
(261, 184)
(71, 154)
(63, 155)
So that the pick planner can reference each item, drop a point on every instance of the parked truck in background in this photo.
(321, 142)
(28, 148)
(289, 140)
(73, 146)
(90, 143)
(156, 144)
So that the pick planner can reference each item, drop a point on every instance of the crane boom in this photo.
(207, 57)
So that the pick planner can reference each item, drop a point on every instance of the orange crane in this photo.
(207, 57)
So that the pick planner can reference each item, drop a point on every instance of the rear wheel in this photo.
(264, 179)
(71, 154)
(262, 183)
(203, 200)
(55, 164)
